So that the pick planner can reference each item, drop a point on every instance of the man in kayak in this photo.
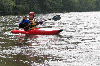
(29, 24)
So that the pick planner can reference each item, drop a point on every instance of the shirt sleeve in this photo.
(27, 21)
(21, 21)
(24, 21)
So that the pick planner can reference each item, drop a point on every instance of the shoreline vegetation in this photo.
(20, 7)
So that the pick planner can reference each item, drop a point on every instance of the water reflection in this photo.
(38, 48)
(31, 46)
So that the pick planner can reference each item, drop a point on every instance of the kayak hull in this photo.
(39, 31)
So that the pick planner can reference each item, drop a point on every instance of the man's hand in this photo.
(40, 22)
(25, 17)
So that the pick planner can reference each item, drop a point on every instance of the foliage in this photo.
(85, 5)
(14, 7)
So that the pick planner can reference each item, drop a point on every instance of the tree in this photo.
(8, 6)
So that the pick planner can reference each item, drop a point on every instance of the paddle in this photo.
(55, 18)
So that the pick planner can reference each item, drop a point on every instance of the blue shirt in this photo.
(27, 21)
(24, 21)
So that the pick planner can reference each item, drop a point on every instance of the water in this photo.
(77, 45)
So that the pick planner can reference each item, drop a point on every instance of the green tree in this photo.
(14, 7)
(85, 5)
(8, 6)
(68, 5)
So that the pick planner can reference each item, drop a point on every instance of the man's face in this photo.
(31, 16)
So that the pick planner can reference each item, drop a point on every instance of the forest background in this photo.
(19, 7)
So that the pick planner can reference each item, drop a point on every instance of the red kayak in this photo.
(39, 31)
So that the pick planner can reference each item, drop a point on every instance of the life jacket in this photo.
(33, 24)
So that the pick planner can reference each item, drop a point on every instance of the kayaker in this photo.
(29, 24)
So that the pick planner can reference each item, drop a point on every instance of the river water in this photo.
(77, 45)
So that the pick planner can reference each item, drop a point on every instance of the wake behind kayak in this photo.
(39, 31)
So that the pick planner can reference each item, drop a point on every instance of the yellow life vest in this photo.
(33, 24)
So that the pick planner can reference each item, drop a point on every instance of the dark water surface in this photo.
(77, 45)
